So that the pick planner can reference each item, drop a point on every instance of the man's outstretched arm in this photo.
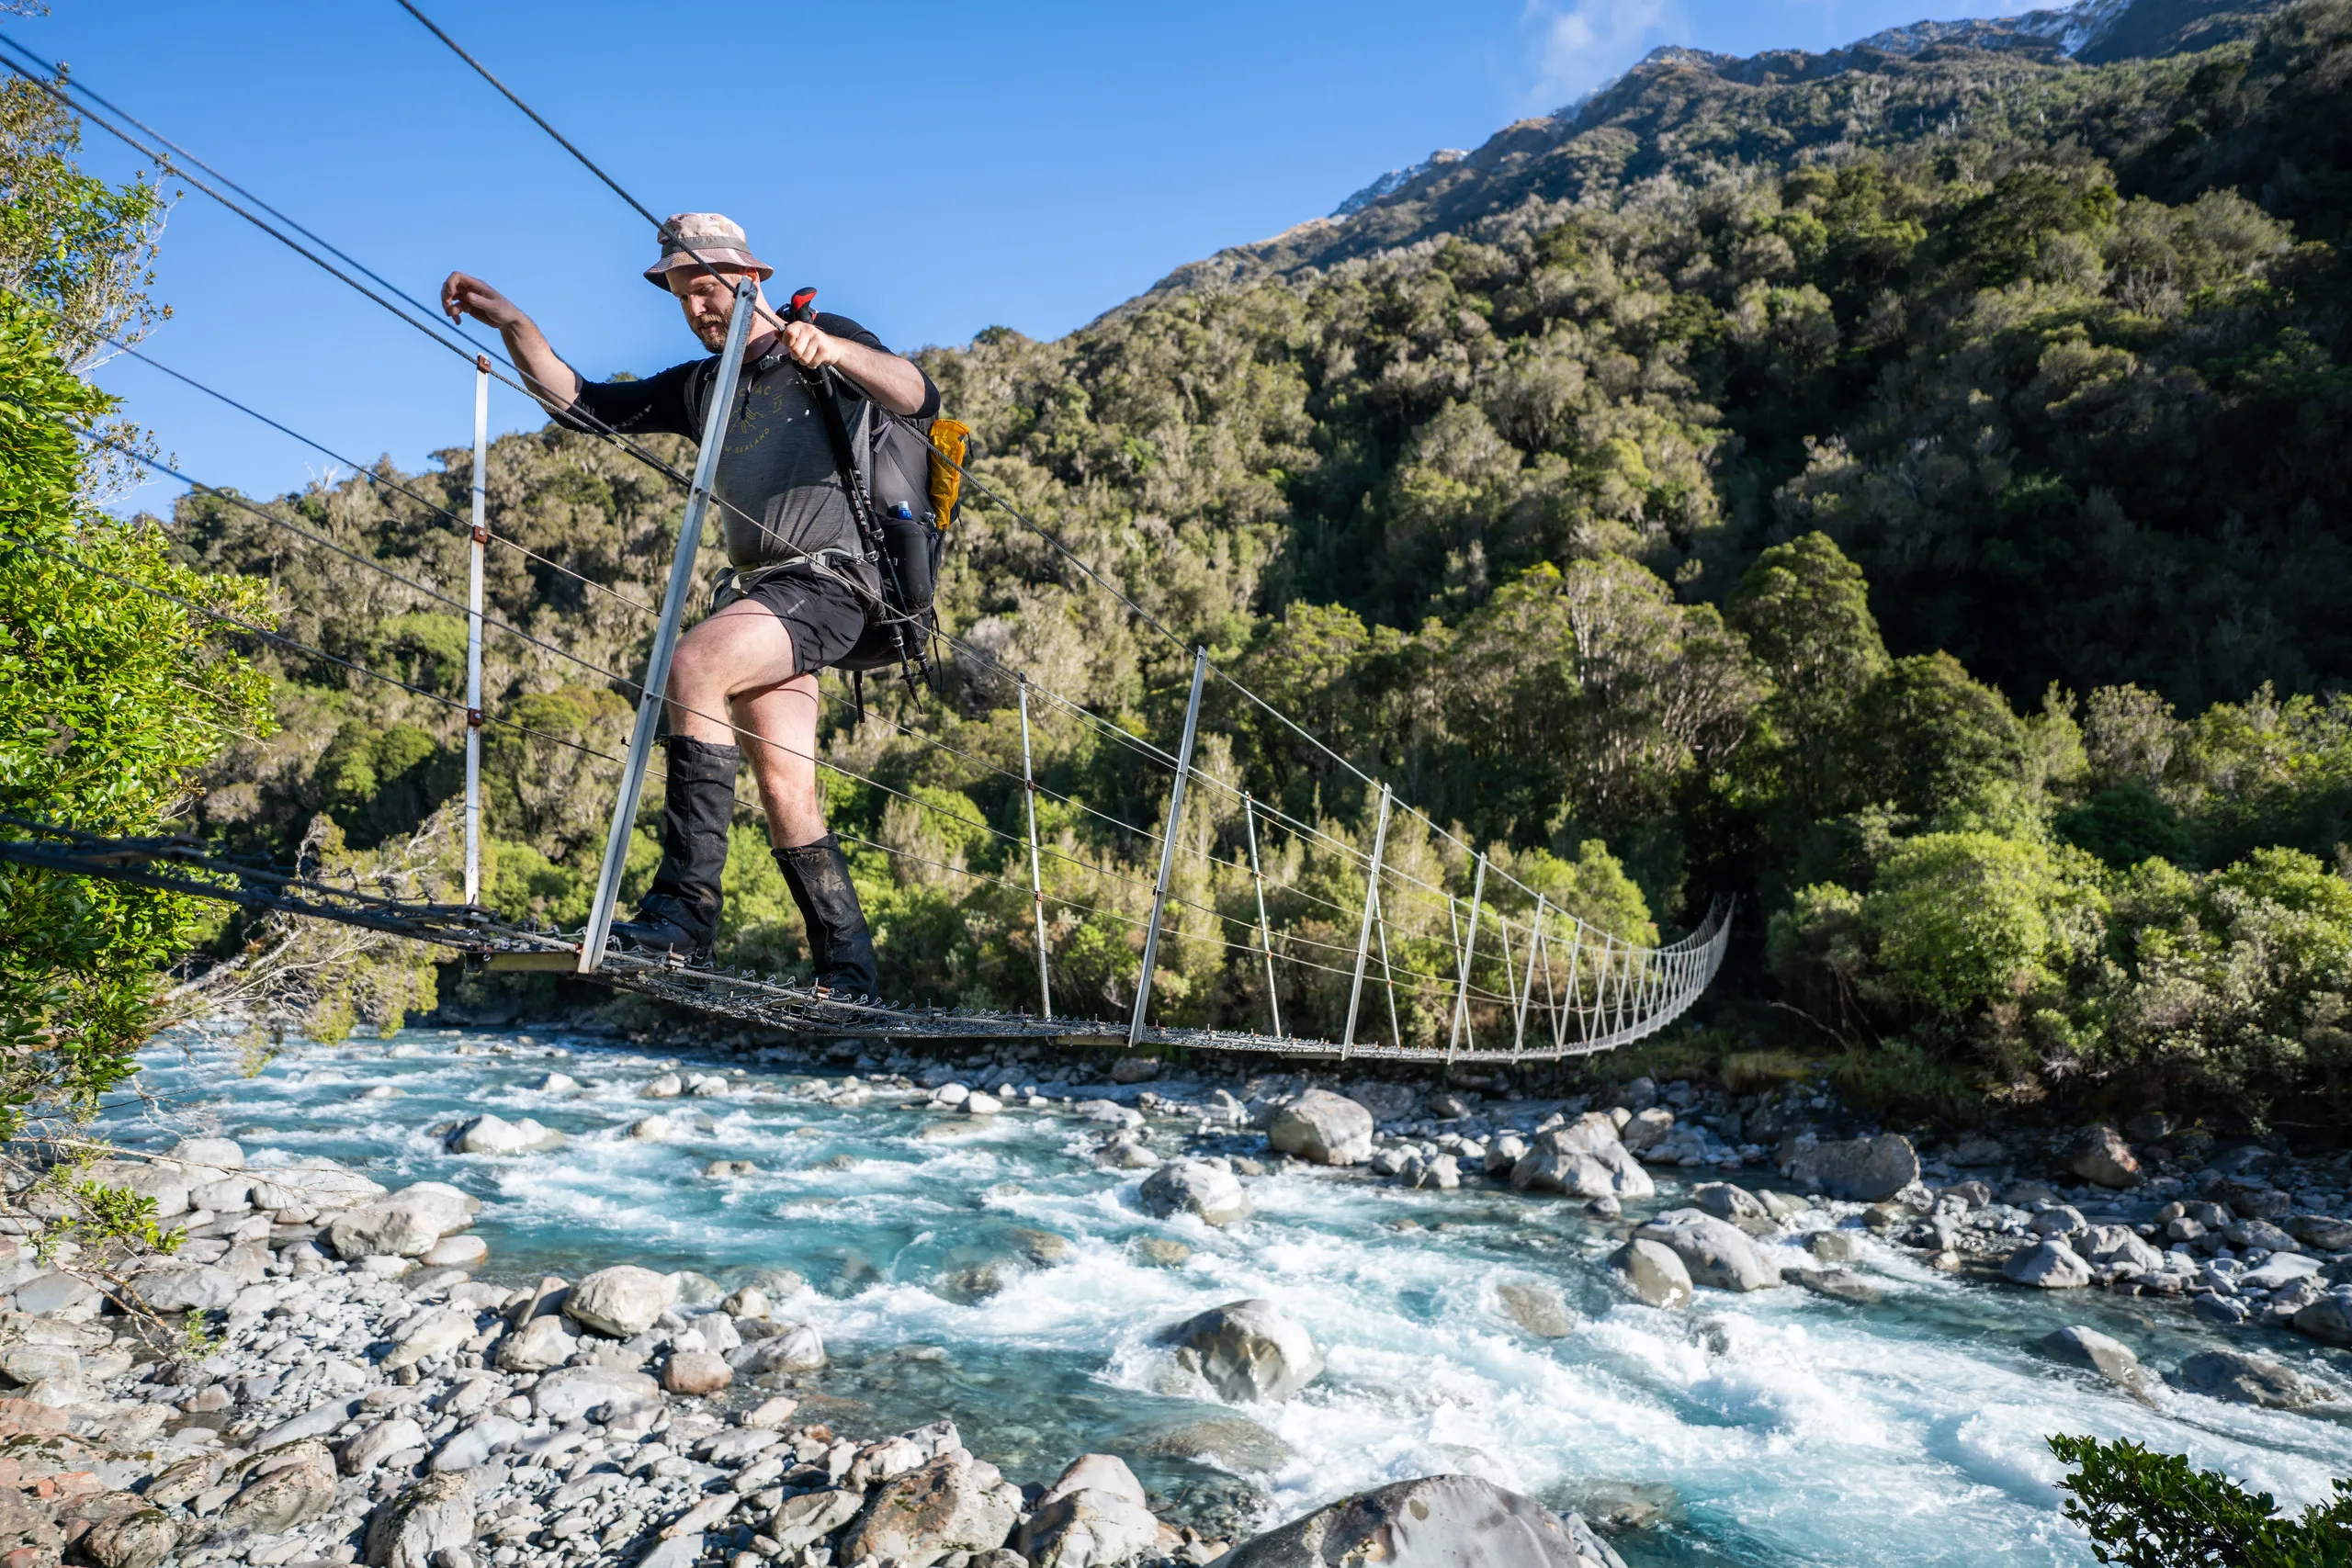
(554, 383)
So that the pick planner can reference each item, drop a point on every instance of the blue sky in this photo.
(931, 169)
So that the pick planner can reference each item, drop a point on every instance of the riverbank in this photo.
(1017, 1270)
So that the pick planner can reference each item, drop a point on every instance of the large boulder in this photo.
(2100, 1155)
(1329, 1129)
(322, 1184)
(286, 1486)
(537, 1346)
(1195, 1187)
(569, 1392)
(1584, 1160)
(168, 1284)
(1439, 1521)
(1861, 1170)
(488, 1134)
(1246, 1350)
(2241, 1379)
(139, 1539)
(954, 1502)
(2048, 1265)
(167, 1186)
(406, 1224)
(799, 1349)
(1716, 1252)
(2321, 1232)
(811, 1516)
(59, 1294)
(1535, 1306)
(622, 1300)
(379, 1442)
(1654, 1272)
(2328, 1318)
(1088, 1529)
(429, 1338)
(414, 1528)
(2111, 1358)
(2118, 1246)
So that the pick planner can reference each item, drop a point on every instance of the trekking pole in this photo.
(653, 694)
(473, 629)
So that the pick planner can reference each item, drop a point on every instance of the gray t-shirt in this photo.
(778, 486)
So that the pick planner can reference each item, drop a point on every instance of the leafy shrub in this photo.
(2145, 1509)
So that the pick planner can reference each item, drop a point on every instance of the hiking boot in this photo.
(679, 916)
(840, 945)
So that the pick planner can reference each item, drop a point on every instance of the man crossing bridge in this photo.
(795, 599)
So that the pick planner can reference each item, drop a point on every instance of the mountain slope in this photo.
(1686, 114)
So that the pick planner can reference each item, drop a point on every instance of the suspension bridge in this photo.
(1528, 983)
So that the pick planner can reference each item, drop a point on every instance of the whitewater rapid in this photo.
(1776, 1428)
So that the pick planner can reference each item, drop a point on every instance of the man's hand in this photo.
(463, 296)
(810, 346)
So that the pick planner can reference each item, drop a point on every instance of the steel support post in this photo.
(651, 696)
(1527, 991)
(1036, 881)
(1469, 949)
(1363, 937)
(1265, 931)
(1168, 846)
(473, 629)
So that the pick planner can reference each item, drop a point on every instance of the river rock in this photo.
(324, 1183)
(2248, 1233)
(1088, 1529)
(1654, 1272)
(1716, 1251)
(475, 1442)
(538, 1345)
(59, 1295)
(167, 1186)
(696, 1373)
(290, 1483)
(1840, 1284)
(951, 1504)
(488, 1134)
(2100, 1155)
(1439, 1521)
(1536, 1307)
(799, 1348)
(2048, 1265)
(1246, 1350)
(1195, 1187)
(1833, 1246)
(379, 1442)
(1726, 1201)
(569, 1392)
(434, 1334)
(1326, 1128)
(1583, 1160)
(168, 1284)
(1860, 1170)
(2111, 1358)
(2327, 1318)
(668, 1086)
(653, 1129)
(1646, 1129)
(811, 1516)
(417, 1528)
(139, 1539)
(404, 1226)
(2111, 1245)
(622, 1300)
(2242, 1379)
(2321, 1232)
(467, 1252)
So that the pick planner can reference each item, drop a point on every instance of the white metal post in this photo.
(473, 629)
(1535, 945)
(1036, 882)
(1265, 931)
(1363, 937)
(1462, 980)
(651, 696)
(1168, 846)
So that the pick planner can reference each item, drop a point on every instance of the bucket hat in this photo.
(690, 239)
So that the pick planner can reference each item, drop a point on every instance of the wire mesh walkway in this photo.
(1531, 982)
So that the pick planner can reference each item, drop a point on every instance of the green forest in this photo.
(1905, 492)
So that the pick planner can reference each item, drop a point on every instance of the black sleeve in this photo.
(656, 405)
(841, 326)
